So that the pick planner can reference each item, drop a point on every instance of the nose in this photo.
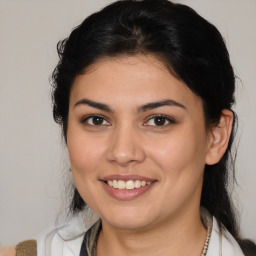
(126, 147)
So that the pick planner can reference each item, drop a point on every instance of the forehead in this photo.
(135, 79)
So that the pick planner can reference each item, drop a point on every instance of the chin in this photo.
(129, 225)
(129, 220)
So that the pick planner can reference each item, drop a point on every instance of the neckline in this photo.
(89, 243)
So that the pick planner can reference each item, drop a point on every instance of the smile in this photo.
(127, 187)
(129, 184)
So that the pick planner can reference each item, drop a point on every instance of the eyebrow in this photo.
(158, 104)
(143, 108)
(94, 104)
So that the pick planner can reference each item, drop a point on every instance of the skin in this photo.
(8, 251)
(128, 141)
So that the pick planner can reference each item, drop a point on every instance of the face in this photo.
(137, 142)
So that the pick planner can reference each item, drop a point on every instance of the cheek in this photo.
(85, 155)
(180, 160)
(84, 152)
(184, 150)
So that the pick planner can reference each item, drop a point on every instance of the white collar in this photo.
(222, 244)
(67, 240)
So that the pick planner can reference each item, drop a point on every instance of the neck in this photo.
(166, 238)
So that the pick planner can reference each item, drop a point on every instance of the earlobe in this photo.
(219, 137)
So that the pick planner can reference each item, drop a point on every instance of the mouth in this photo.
(129, 184)
(127, 187)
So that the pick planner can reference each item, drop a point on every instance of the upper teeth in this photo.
(129, 184)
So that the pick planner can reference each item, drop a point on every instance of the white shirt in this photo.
(67, 240)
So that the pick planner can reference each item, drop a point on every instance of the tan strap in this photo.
(26, 248)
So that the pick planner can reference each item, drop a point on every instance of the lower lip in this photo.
(126, 194)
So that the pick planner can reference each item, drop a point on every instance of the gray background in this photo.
(33, 161)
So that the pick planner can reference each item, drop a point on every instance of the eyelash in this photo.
(85, 120)
(165, 118)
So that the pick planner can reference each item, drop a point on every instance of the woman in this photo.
(143, 92)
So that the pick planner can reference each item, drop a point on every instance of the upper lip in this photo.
(126, 178)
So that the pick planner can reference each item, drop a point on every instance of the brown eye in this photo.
(160, 120)
(95, 121)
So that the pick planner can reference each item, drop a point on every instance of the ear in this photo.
(219, 137)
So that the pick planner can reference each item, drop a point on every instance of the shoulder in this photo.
(66, 239)
(222, 242)
(54, 244)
